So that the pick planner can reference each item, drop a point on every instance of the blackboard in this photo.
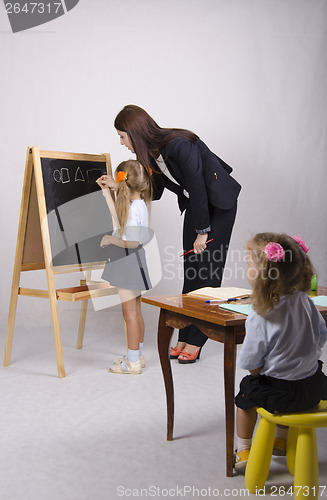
(65, 180)
(77, 213)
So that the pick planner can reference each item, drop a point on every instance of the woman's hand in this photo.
(106, 181)
(108, 239)
(200, 243)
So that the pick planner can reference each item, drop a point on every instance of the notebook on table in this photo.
(222, 293)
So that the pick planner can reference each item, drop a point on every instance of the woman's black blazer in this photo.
(201, 173)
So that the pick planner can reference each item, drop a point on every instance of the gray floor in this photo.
(96, 435)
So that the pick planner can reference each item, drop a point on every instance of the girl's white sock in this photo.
(141, 348)
(133, 355)
(281, 432)
(243, 444)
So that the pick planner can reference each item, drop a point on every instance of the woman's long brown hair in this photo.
(145, 134)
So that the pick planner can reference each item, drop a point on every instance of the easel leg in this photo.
(55, 322)
(82, 318)
(57, 336)
(81, 326)
(18, 257)
(11, 323)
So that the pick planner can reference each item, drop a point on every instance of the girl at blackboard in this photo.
(127, 268)
(284, 337)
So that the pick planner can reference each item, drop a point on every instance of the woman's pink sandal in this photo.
(188, 357)
(175, 352)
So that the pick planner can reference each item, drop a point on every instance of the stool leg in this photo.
(258, 464)
(306, 474)
(291, 448)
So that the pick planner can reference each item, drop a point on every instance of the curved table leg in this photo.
(164, 337)
(229, 379)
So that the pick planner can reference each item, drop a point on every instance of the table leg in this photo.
(164, 337)
(229, 379)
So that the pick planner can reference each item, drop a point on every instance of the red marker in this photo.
(189, 251)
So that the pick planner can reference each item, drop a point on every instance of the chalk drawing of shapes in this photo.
(57, 175)
(93, 174)
(65, 175)
(61, 175)
(79, 175)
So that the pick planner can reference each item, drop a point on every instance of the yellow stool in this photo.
(302, 456)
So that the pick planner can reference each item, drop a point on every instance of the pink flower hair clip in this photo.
(274, 251)
(301, 242)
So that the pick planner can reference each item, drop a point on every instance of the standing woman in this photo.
(207, 193)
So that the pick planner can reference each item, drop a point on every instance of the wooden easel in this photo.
(33, 252)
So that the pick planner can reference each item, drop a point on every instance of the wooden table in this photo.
(178, 311)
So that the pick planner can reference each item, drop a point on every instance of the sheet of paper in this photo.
(220, 293)
(320, 300)
(238, 308)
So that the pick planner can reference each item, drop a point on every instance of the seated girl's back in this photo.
(287, 341)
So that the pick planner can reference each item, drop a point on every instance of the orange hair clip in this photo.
(150, 171)
(121, 176)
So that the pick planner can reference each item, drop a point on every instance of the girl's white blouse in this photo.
(137, 223)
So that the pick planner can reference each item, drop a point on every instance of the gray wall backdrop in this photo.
(248, 76)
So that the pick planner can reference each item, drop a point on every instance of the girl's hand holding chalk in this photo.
(106, 181)
(102, 181)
